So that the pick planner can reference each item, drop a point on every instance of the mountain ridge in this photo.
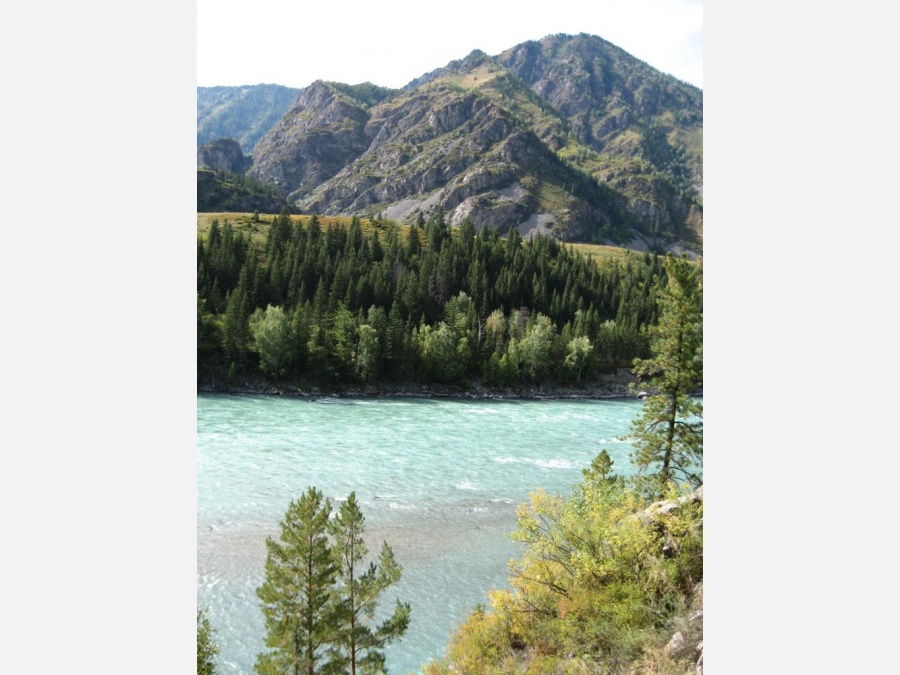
(567, 135)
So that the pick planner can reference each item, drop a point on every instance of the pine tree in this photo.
(207, 649)
(236, 335)
(668, 435)
(358, 645)
(296, 595)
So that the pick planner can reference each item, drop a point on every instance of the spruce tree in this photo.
(359, 644)
(236, 335)
(296, 595)
(668, 434)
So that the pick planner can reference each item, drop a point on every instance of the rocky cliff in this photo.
(321, 132)
(223, 154)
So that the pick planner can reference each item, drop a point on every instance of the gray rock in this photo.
(676, 644)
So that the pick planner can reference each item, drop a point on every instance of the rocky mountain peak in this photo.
(568, 135)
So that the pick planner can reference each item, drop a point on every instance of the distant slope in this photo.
(242, 113)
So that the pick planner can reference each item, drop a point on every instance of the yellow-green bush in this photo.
(602, 581)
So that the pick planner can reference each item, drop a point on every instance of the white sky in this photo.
(389, 43)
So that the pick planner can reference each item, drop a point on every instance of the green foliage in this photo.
(600, 469)
(439, 353)
(319, 598)
(367, 93)
(272, 331)
(451, 305)
(368, 353)
(668, 435)
(226, 191)
(578, 353)
(207, 649)
(297, 594)
(535, 347)
(604, 576)
(358, 644)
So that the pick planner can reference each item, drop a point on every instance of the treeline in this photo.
(351, 304)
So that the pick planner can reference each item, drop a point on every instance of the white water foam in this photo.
(553, 464)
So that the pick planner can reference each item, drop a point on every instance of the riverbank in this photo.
(610, 386)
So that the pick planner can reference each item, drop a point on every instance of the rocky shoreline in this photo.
(609, 387)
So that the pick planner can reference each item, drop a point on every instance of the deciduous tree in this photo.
(578, 351)
(272, 330)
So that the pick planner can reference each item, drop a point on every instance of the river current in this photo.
(438, 479)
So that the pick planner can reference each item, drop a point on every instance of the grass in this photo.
(475, 78)
(243, 222)
(602, 252)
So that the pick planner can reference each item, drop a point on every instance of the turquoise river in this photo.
(438, 479)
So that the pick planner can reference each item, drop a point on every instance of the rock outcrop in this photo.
(223, 154)
(320, 133)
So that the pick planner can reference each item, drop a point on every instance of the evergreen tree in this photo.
(296, 595)
(207, 649)
(358, 644)
(236, 328)
(611, 302)
(668, 434)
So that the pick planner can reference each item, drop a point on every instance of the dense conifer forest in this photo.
(367, 300)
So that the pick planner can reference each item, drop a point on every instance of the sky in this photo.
(390, 43)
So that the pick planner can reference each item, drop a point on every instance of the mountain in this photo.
(244, 114)
(569, 135)
(632, 127)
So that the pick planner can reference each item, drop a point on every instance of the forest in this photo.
(362, 300)
(611, 580)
